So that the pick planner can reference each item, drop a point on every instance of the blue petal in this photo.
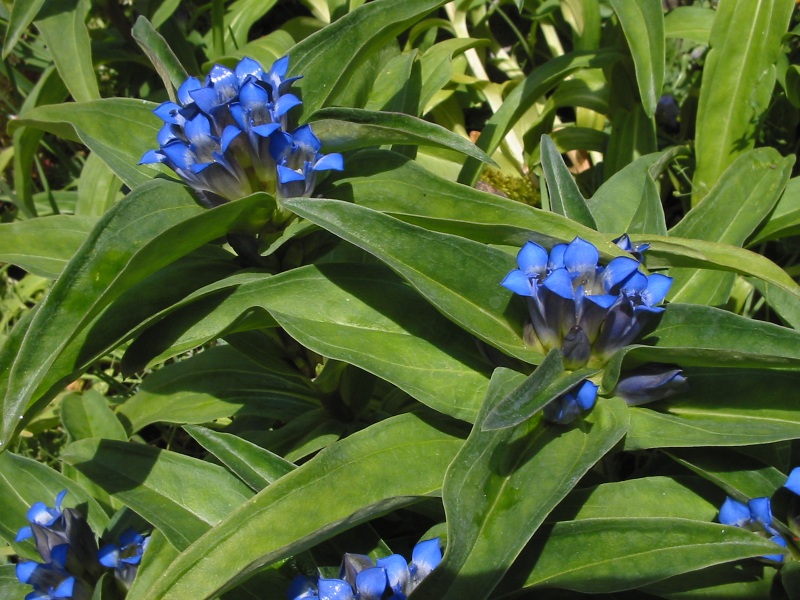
(580, 256)
(286, 103)
(649, 384)
(560, 282)
(532, 259)
(287, 175)
(618, 270)
(180, 154)
(426, 556)
(793, 481)
(24, 534)
(108, 556)
(733, 512)
(248, 66)
(371, 583)
(58, 555)
(222, 77)
(166, 134)
(151, 157)
(190, 85)
(761, 511)
(26, 569)
(280, 67)
(624, 242)
(330, 162)
(776, 557)
(41, 514)
(280, 145)
(168, 112)
(586, 394)
(266, 130)
(396, 571)
(304, 137)
(556, 258)
(302, 588)
(562, 410)
(65, 589)
(657, 288)
(252, 95)
(205, 98)
(230, 133)
(517, 282)
(604, 301)
(198, 129)
(334, 589)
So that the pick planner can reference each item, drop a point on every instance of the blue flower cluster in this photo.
(68, 548)
(756, 516)
(229, 137)
(389, 578)
(588, 312)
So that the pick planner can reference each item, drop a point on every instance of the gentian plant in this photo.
(282, 282)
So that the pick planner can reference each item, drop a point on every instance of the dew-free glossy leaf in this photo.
(88, 415)
(252, 464)
(23, 12)
(738, 78)
(643, 24)
(151, 228)
(460, 277)
(328, 58)
(565, 197)
(119, 130)
(364, 475)
(43, 245)
(342, 129)
(503, 484)
(63, 28)
(689, 23)
(180, 495)
(217, 383)
(98, 188)
(740, 580)
(160, 54)
(785, 219)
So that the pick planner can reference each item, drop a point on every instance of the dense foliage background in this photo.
(267, 383)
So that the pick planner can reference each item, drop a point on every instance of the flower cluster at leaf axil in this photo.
(72, 565)
(229, 136)
(389, 578)
(589, 312)
(756, 516)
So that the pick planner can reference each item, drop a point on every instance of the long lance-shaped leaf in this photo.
(167, 65)
(367, 474)
(23, 12)
(342, 129)
(152, 227)
(119, 130)
(327, 58)
(522, 97)
(643, 24)
(565, 197)
(738, 79)
(458, 276)
(503, 484)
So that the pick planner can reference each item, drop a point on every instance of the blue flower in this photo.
(637, 250)
(125, 557)
(755, 516)
(389, 578)
(568, 407)
(52, 580)
(223, 135)
(651, 383)
(585, 310)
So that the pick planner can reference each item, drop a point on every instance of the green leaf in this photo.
(565, 197)
(252, 464)
(23, 12)
(388, 182)
(157, 557)
(119, 130)
(649, 216)
(329, 58)
(98, 188)
(167, 65)
(738, 78)
(633, 135)
(785, 218)
(522, 97)
(723, 407)
(240, 17)
(741, 580)
(460, 277)
(115, 257)
(436, 69)
(287, 516)
(643, 24)
(342, 129)
(10, 586)
(23, 482)
(219, 382)
(495, 496)
(741, 199)
(44, 245)
(546, 383)
(88, 415)
(691, 23)
(180, 495)
(63, 29)
(615, 554)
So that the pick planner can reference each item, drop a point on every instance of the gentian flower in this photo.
(360, 579)
(755, 516)
(228, 137)
(637, 250)
(587, 311)
(125, 557)
(651, 383)
(567, 408)
(52, 580)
